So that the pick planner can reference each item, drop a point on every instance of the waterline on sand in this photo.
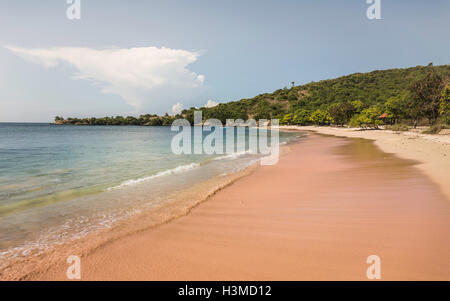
(176, 170)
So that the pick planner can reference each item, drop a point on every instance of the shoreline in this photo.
(19, 261)
(279, 224)
(178, 204)
(432, 152)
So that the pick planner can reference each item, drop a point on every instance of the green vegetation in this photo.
(395, 108)
(368, 118)
(301, 117)
(425, 98)
(149, 120)
(412, 95)
(444, 107)
(342, 112)
(321, 117)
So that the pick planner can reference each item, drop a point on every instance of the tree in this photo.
(292, 95)
(395, 107)
(301, 116)
(155, 121)
(321, 117)
(358, 105)
(426, 98)
(444, 108)
(341, 112)
(367, 118)
(287, 119)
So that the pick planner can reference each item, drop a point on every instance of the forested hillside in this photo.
(357, 99)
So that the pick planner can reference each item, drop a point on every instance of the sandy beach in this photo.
(215, 144)
(318, 214)
(432, 152)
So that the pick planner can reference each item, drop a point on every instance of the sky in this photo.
(135, 57)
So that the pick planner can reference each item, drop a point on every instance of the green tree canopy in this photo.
(341, 112)
(368, 118)
(444, 108)
(321, 117)
(426, 97)
(301, 117)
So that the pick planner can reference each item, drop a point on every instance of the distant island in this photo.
(411, 96)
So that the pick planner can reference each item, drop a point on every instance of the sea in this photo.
(62, 182)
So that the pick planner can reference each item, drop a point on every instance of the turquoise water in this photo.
(60, 182)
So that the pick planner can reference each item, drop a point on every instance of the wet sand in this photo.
(431, 151)
(317, 215)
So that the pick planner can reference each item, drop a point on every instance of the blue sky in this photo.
(111, 61)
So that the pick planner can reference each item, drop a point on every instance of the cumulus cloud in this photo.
(141, 76)
(211, 103)
(177, 108)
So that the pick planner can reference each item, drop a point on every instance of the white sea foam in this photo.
(175, 170)
(232, 156)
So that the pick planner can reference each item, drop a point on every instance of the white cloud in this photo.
(177, 108)
(211, 103)
(146, 76)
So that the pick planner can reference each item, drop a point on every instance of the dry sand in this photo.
(317, 215)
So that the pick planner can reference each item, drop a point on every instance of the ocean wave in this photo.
(232, 156)
(175, 170)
